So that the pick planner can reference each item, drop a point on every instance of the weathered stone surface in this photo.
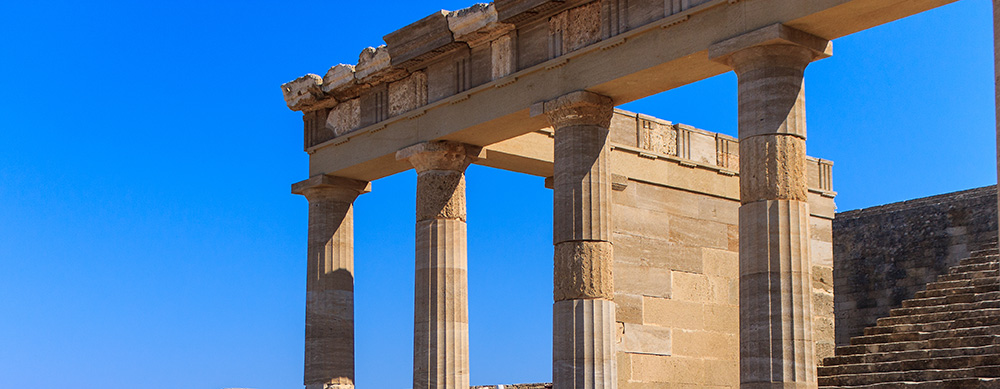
(303, 92)
(646, 339)
(437, 195)
(440, 155)
(345, 117)
(773, 167)
(583, 270)
(374, 67)
(580, 108)
(341, 83)
(408, 94)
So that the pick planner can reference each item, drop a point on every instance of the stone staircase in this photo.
(947, 336)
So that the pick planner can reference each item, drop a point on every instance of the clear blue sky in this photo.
(148, 237)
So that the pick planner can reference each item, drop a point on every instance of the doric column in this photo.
(441, 301)
(329, 351)
(776, 342)
(583, 315)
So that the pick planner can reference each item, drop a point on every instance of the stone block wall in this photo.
(677, 286)
(885, 254)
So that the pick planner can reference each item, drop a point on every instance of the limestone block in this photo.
(440, 195)
(340, 82)
(722, 318)
(374, 66)
(690, 287)
(702, 148)
(582, 28)
(646, 339)
(642, 12)
(480, 68)
(706, 345)
(614, 17)
(698, 232)
(628, 307)
(345, 117)
(673, 370)
(532, 44)
(656, 137)
(583, 344)
(448, 75)
(722, 373)
(623, 129)
(772, 167)
(659, 253)
(673, 313)
(721, 263)
(477, 24)
(822, 206)
(420, 40)
(727, 153)
(642, 280)
(374, 105)
(503, 58)
(440, 155)
(641, 222)
(303, 92)
(408, 94)
(583, 270)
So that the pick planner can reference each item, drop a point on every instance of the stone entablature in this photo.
(448, 53)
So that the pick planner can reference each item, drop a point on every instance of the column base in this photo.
(583, 352)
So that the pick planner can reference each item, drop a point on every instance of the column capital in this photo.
(333, 187)
(580, 108)
(774, 37)
(440, 155)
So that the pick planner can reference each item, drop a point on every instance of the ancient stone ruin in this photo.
(681, 257)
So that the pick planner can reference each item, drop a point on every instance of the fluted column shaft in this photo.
(584, 311)
(329, 343)
(776, 340)
(441, 304)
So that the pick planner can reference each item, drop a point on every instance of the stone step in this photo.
(968, 275)
(932, 317)
(879, 357)
(991, 265)
(957, 307)
(975, 289)
(981, 257)
(940, 363)
(963, 383)
(964, 283)
(952, 299)
(926, 335)
(902, 377)
(942, 343)
(953, 321)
